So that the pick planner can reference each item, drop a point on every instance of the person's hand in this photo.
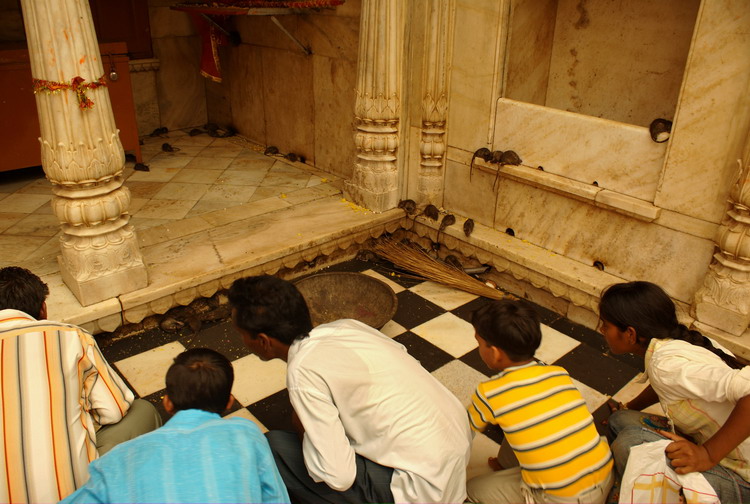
(685, 455)
(613, 406)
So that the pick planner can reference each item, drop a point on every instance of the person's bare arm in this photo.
(688, 457)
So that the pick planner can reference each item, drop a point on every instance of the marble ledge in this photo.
(197, 265)
(561, 276)
(587, 193)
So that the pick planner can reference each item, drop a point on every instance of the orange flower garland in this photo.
(78, 85)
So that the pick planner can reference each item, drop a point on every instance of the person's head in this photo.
(632, 314)
(20, 289)
(508, 332)
(270, 314)
(199, 378)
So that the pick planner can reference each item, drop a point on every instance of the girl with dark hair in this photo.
(704, 392)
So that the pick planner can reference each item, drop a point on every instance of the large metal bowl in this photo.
(339, 295)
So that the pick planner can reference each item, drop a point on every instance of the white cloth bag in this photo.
(648, 478)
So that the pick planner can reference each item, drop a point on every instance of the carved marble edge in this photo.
(587, 193)
(144, 65)
(561, 276)
(169, 296)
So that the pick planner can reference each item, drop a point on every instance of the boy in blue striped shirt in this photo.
(552, 451)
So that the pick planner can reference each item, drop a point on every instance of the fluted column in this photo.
(434, 101)
(374, 183)
(723, 301)
(81, 154)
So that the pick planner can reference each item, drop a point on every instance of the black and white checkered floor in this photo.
(431, 322)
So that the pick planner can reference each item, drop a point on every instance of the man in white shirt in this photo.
(373, 425)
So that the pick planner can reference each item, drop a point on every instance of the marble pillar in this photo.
(375, 179)
(81, 154)
(434, 101)
(723, 301)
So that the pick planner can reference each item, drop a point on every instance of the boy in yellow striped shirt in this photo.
(552, 452)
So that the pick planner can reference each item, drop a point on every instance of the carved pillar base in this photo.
(101, 266)
(375, 201)
(723, 301)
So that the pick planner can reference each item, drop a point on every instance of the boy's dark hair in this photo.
(511, 325)
(200, 378)
(20, 289)
(270, 305)
(649, 310)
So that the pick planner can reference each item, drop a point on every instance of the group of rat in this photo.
(370, 424)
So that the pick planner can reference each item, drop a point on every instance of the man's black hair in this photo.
(200, 378)
(20, 289)
(511, 325)
(267, 304)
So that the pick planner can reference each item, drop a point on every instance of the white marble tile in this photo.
(209, 163)
(593, 398)
(392, 329)
(244, 178)
(445, 297)
(167, 161)
(255, 380)
(482, 448)
(554, 345)
(244, 413)
(182, 191)
(155, 174)
(448, 332)
(35, 225)
(197, 175)
(390, 283)
(218, 192)
(165, 209)
(146, 371)
(460, 379)
(218, 151)
(24, 203)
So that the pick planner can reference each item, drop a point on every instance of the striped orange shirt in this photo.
(56, 389)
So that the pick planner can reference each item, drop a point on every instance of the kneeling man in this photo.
(373, 425)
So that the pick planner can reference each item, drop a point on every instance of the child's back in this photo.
(542, 414)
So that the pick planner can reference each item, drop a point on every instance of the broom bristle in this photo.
(413, 259)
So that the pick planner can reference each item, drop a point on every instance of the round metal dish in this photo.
(339, 295)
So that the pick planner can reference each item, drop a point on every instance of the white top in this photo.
(698, 391)
(358, 391)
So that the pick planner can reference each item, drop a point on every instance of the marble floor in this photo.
(431, 322)
(202, 175)
(216, 208)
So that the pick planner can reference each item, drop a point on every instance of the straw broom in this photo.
(415, 260)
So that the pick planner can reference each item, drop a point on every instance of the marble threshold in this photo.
(198, 256)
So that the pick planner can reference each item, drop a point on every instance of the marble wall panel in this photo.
(218, 94)
(288, 99)
(472, 72)
(146, 101)
(166, 22)
(620, 60)
(245, 81)
(474, 198)
(532, 30)
(628, 248)
(714, 114)
(334, 81)
(331, 36)
(262, 31)
(618, 156)
(180, 86)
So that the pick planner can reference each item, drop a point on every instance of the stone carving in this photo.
(723, 301)
(82, 155)
(438, 27)
(374, 182)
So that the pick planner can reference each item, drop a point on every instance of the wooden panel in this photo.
(123, 21)
(19, 130)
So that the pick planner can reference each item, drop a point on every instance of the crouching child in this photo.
(552, 452)
(196, 456)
